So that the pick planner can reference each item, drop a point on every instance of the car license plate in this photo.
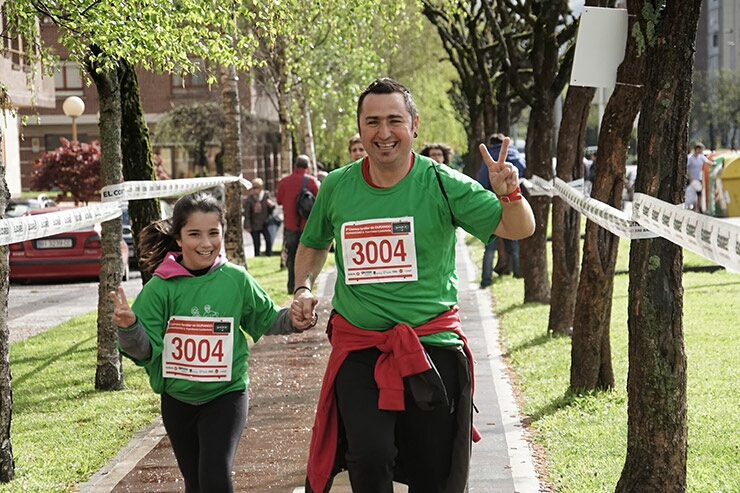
(54, 243)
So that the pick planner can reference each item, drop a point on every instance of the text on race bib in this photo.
(379, 250)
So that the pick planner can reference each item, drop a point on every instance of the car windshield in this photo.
(17, 209)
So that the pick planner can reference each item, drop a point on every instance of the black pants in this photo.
(291, 238)
(256, 241)
(204, 439)
(416, 442)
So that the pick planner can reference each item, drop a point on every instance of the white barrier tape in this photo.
(17, 229)
(604, 215)
(712, 238)
(538, 186)
(153, 189)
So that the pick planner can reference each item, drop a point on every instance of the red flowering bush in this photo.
(74, 168)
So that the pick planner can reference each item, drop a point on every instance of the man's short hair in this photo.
(302, 161)
(386, 85)
(496, 139)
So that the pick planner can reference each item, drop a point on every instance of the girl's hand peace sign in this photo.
(123, 316)
(503, 175)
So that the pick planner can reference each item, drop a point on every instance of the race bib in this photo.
(379, 250)
(198, 349)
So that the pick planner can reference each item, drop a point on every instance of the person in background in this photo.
(321, 171)
(495, 144)
(197, 299)
(258, 207)
(356, 149)
(442, 153)
(589, 170)
(694, 177)
(159, 172)
(396, 401)
(287, 192)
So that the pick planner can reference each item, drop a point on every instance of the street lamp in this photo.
(73, 107)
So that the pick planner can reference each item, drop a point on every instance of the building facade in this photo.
(24, 89)
(718, 36)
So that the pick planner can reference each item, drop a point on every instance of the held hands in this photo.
(303, 310)
(503, 175)
(123, 316)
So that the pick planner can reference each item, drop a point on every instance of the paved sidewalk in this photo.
(501, 462)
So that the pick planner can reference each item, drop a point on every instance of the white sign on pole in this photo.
(602, 37)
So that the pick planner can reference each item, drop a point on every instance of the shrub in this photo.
(74, 168)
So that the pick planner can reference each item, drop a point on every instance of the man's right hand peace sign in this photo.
(503, 175)
(123, 316)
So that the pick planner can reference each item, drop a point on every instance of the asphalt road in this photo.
(33, 308)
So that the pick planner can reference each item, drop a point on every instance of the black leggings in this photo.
(204, 439)
(420, 441)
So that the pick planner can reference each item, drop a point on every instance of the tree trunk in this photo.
(233, 238)
(7, 464)
(136, 150)
(109, 374)
(566, 222)
(533, 252)
(591, 366)
(656, 384)
(307, 131)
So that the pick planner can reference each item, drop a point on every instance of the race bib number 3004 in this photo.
(379, 250)
(198, 349)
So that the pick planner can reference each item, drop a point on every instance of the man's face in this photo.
(357, 151)
(386, 129)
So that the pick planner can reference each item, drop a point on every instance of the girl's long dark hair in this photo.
(160, 237)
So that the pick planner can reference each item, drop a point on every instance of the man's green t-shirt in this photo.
(409, 227)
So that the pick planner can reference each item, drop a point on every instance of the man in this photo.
(694, 175)
(514, 157)
(356, 149)
(397, 396)
(287, 192)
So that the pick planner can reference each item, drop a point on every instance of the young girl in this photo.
(188, 328)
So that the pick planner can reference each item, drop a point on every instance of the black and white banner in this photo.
(17, 229)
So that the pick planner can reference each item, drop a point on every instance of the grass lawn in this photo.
(585, 436)
(63, 430)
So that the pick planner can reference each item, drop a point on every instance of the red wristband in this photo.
(512, 197)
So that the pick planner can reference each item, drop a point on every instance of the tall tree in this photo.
(7, 464)
(328, 53)
(656, 383)
(233, 238)
(548, 53)
(566, 222)
(482, 94)
(109, 370)
(136, 150)
(192, 127)
(591, 366)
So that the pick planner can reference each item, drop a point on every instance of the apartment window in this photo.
(15, 45)
(67, 77)
(715, 40)
(194, 82)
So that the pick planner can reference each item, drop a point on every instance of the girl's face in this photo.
(200, 240)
